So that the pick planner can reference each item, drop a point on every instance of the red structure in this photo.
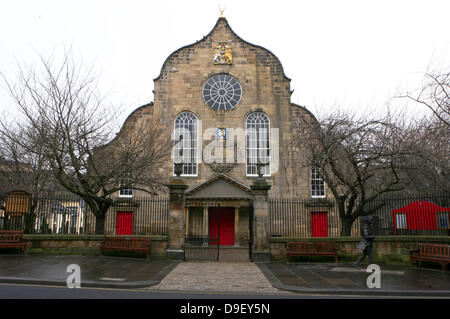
(319, 224)
(226, 225)
(421, 215)
(124, 224)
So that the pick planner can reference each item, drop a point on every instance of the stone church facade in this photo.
(228, 105)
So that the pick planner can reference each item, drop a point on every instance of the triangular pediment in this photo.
(221, 186)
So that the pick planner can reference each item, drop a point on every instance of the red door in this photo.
(124, 224)
(226, 224)
(319, 224)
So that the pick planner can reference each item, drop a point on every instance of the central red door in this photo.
(124, 224)
(319, 224)
(223, 220)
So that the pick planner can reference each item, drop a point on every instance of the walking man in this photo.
(366, 242)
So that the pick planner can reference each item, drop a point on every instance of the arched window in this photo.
(258, 142)
(185, 130)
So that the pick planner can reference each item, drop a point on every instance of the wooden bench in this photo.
(127, 243)
(13, 239)
(431, 252)
(311, 249)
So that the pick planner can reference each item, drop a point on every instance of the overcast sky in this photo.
(355, 54)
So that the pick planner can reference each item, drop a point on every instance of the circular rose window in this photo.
(222, 92)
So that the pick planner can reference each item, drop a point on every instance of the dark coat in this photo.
(367, 237)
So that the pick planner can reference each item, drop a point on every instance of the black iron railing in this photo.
(69, 215)
(288, 217)
(400, 215)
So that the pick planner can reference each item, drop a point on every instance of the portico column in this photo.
(186, 214)
(236, 227)
(177, 220)
(205, 225)
(261, 243)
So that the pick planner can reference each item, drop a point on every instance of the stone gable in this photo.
(265, 88)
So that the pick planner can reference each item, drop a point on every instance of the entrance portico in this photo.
(205, 218)
(218, 212)
(195, 219)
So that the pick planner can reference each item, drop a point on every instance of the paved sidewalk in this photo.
(96, 271)
(345, 279)
(240, 277)
(244, 277)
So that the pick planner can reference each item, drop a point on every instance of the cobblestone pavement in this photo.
(217, 277)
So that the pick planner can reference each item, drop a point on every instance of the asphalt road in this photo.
(14, 291)
(21, 291)
(58, 302)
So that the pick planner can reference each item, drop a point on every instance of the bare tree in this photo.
(23, 163)
(24, 167)
(357, 158)
(435, 95)
(427, 164)
(292, 164)
(62, 109)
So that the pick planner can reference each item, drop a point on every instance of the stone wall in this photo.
(81, 245)
(386, 249)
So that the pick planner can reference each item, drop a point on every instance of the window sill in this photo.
(125, 202)
(319, 202)
(188, 176)
(256, 176)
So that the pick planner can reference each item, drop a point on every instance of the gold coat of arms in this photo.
(222, 53)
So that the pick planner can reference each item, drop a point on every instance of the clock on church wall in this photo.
(222, 92)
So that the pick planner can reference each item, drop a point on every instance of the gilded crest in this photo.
(222, 53)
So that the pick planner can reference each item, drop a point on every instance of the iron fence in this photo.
(288, 217)
(70, 215)
(401, 215)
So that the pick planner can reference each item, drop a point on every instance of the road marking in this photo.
(275, 296)
(111, 279)
(384, 272)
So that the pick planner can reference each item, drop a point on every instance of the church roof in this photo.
(224, 20)
(220, 186)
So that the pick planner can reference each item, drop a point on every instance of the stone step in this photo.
(226, 254)
(233, 255)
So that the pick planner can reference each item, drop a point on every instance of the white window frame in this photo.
(257, 149)
(193, 148)
(439, 215)
(314, 178)
(125, 190)
(400, 221)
